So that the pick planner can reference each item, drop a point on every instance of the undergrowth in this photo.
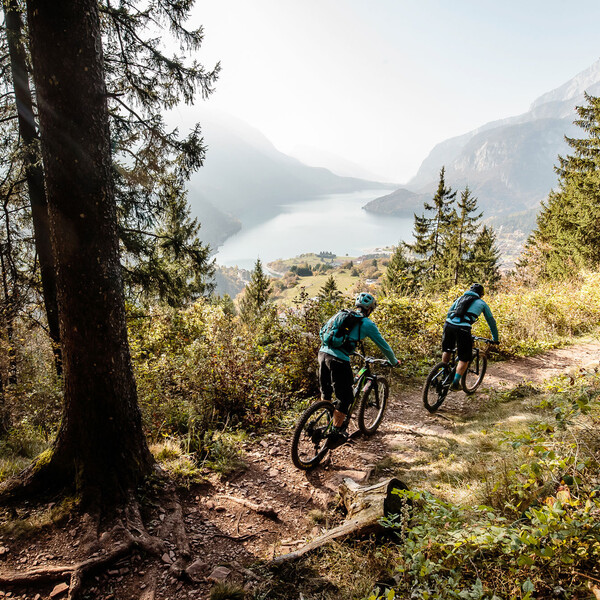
(538, 533)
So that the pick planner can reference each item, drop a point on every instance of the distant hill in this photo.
(400, 203)
(245, 179)
(508, 164)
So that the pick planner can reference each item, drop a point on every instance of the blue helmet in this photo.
(366, 300)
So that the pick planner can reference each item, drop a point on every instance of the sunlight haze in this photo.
(380, 83)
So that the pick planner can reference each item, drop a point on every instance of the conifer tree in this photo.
(431, 234)
(329, 291)
(567, 234)
(256, 296)
(483, 261)
(463, 226)
(398, 277)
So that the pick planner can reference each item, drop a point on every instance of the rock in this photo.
(59, 589)
(166, 558)
(273, 473)
(197, 570)
(219, 575)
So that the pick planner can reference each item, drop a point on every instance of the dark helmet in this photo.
(365, 300)
(478, 289)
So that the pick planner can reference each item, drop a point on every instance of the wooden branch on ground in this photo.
(265, 510)
(365, 505)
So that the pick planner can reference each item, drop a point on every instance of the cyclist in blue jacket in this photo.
(457, 329)
(335, 372)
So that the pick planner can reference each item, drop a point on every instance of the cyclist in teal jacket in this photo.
(457, 328)
(335, 372)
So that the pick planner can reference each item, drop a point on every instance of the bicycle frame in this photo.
(363, 380)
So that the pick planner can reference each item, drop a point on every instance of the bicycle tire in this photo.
(309, 441)
(469, 387)
(435, 390)
(373, 402)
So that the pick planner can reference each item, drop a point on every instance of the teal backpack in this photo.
(336, 332)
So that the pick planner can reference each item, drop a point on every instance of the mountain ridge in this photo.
(245, 179)
(507, 163)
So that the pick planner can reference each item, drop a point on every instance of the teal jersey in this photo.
(477, 307)
(364, 329)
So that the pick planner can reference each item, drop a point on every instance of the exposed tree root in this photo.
(126, 534)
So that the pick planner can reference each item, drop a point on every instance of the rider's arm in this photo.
(489, 317)
(369, 329)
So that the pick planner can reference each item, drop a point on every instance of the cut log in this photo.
(365, 505)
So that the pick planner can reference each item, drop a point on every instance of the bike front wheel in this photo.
(372, 406)
(471, 380)
(309, 441)
(436, 386)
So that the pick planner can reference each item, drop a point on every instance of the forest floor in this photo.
(228, 537)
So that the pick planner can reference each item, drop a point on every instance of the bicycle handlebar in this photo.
(369, 359)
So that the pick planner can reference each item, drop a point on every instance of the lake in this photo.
(334, 223)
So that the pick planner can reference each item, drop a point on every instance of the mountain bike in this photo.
(371, 391)
(441, 376)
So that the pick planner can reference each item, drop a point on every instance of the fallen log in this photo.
(365, 505)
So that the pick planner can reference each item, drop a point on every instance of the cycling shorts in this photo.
(336, 377)
(459, 338)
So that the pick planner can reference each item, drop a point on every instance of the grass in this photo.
(313, 284)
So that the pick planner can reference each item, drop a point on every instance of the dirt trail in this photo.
(271, 478)
(223, 531)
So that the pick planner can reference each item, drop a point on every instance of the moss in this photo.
(43, 459)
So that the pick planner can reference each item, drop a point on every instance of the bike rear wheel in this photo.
(309, 440)
(436, 386)
(372, 405)
(472, 380)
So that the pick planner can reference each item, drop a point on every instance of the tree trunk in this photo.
(100, 442)
(33, 171)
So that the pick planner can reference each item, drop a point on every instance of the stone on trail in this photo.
(59, 589)
(219, 574)
(197, 570)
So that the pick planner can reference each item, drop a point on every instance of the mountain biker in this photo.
(335, 372)
(457, 329)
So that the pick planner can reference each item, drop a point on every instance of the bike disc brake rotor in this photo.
(314, 433)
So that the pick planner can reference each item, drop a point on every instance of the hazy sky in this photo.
(380, 82)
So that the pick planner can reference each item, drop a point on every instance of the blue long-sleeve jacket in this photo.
(477, 307)
(365, 329)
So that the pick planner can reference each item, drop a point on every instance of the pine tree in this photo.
(399, 276)
(567, 234)
(483, 261)
(150, 161)
(329, 291)
(256, 296)
(463, 227)
(172, 266)
(431, 234)
(100, 444)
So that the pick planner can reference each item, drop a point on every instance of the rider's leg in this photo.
(448, 342)
(464, 351)
(338, 418)
(335, 376)
(461, 368)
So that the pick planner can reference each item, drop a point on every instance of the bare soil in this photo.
(227, 534)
